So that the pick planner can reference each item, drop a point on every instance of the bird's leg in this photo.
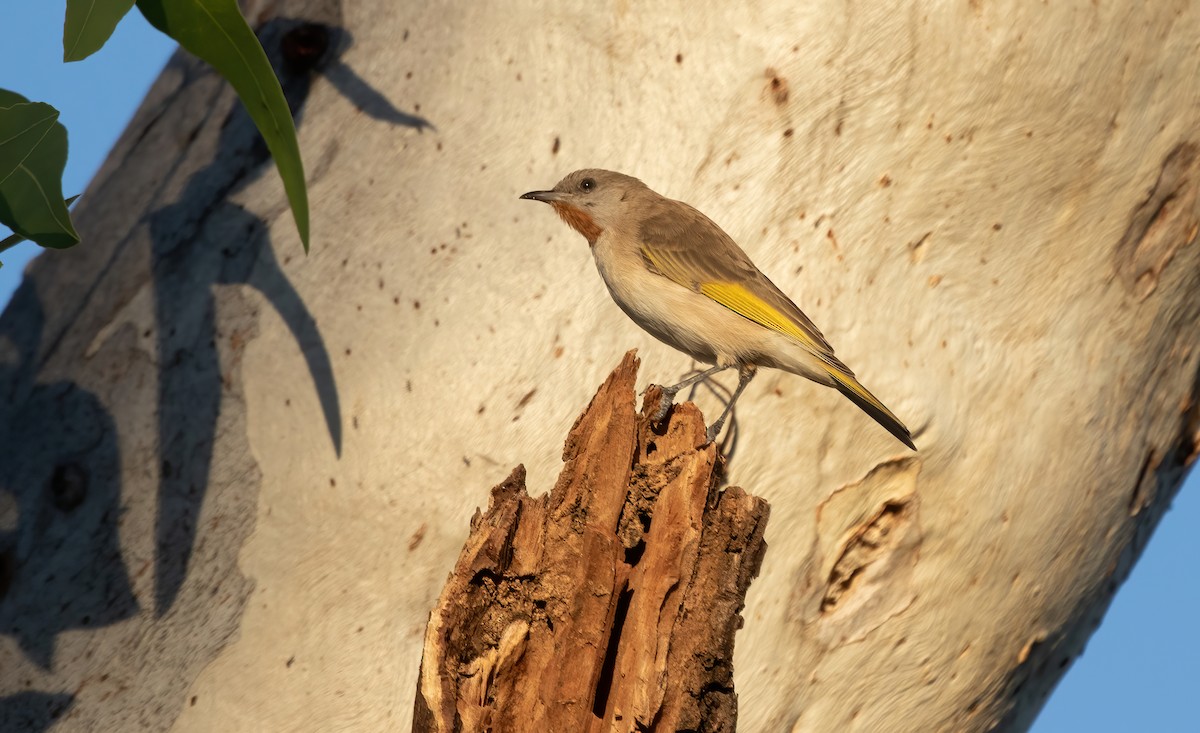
(745, 374)
(668, 393)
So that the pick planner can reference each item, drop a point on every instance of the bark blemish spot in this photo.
(415, 541)
(528, 396)
(67, 486)
(777, 86)
(1146, 486)
(916, 249)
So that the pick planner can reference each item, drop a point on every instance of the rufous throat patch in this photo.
(579, 220)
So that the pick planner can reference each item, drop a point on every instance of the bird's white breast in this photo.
(692, 323)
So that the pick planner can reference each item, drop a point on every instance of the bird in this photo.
(680, 277)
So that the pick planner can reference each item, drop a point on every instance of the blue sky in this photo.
(1141, 668)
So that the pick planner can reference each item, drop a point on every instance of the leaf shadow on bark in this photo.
(192, 253)
(33, 712)
(61, 566)
(228, 245)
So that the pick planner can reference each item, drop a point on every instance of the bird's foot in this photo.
(715, 429)
(664, 404)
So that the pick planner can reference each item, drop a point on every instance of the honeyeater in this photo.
(680, 277)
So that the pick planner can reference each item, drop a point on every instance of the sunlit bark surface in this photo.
(234, 478)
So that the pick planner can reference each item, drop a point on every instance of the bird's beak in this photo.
(546, 196)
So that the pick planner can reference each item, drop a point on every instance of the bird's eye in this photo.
(587, 184)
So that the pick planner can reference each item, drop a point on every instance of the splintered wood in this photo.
(609, 604)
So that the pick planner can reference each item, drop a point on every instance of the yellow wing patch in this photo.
(740, 300)
(745, 303)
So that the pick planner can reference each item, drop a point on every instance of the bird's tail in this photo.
(868, 403)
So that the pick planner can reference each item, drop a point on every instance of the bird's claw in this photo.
(664, 404)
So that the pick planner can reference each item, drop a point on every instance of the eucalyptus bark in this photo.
(235, 477)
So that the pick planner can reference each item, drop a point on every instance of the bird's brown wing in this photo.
(685, 246)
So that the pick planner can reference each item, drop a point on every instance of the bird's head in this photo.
(592, 200)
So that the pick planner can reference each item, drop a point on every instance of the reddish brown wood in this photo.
(609, 604)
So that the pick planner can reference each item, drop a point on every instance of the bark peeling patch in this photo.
(873, 533)
(1039, 662)
(1166, 221)
(1030, 646)
(870, 543)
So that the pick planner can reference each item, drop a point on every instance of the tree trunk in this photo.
(233, 478)
(609, 604)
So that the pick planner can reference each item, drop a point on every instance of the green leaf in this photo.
(215, 31)
(13, 240)
(8, 99)
(22, 128)
(89, 24)
(33, 153)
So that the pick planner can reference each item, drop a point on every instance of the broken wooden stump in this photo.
(609, 604)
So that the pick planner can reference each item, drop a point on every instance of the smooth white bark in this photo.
(990, 209)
